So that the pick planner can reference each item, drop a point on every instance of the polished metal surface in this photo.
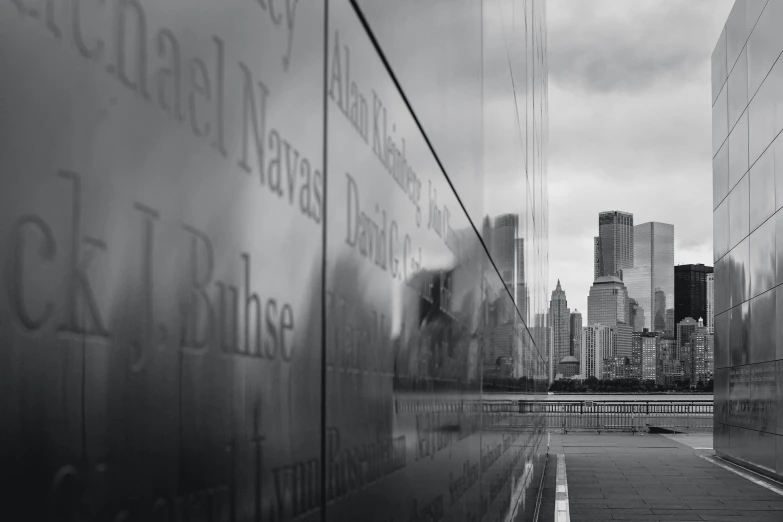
(267, 260)
(747, 246)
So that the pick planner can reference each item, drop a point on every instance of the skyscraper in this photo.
(607, 304)
(710, 303)
(700, 364)
(597, 340)
(614, 246)
(576, 334)
(653, 245)
(560, 320)
(690, 291)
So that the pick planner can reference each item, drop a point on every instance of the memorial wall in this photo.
(747, 91)
(272, 259)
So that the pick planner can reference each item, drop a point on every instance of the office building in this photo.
(576, 334)
(690, 291)
(607, 304)
(648, 350)
(653, 245)
(711, 303)
(747, 94)
(597, 340)
(685, 330)
(700, 362)
(669, 368)
(239, 251)
(560, 319)
(614, 246)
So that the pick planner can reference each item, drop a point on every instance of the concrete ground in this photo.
(653, 477)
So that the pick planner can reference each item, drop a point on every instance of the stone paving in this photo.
(652, 477)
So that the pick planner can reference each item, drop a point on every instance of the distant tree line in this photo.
(594, 385)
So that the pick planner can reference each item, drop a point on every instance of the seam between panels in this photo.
(775, 213)
(324, 265)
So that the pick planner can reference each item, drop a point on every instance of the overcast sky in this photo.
(630, 126)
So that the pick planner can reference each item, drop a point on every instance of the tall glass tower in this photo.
(653, 247)
(613, 246)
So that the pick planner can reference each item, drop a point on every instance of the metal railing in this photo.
(609, 415)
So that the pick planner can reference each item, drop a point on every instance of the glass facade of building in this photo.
(747, 97)
(597, 342)
(690, 291)
(248, 269)
(614, 245)
(654, 247)
(638, 282)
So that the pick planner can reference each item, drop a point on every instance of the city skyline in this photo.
(656, 77)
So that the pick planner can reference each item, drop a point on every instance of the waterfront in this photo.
(630, 397)
(605, 397)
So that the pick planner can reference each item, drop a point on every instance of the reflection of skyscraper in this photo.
(521, 292)
(614, 247)
(504, 247)
(669, 330)
(560, 320)
(635, 315)
(659, 311)
(653, 246)
(638, 282)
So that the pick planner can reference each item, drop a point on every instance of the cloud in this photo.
(615, 45)
(630, 125)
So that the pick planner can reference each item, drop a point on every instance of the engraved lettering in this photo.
(169, 79)
(252, 116)
(199, 304)
(78, 35)
(139, 38)
(47, 251)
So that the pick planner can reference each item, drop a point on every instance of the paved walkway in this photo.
(651, 477)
